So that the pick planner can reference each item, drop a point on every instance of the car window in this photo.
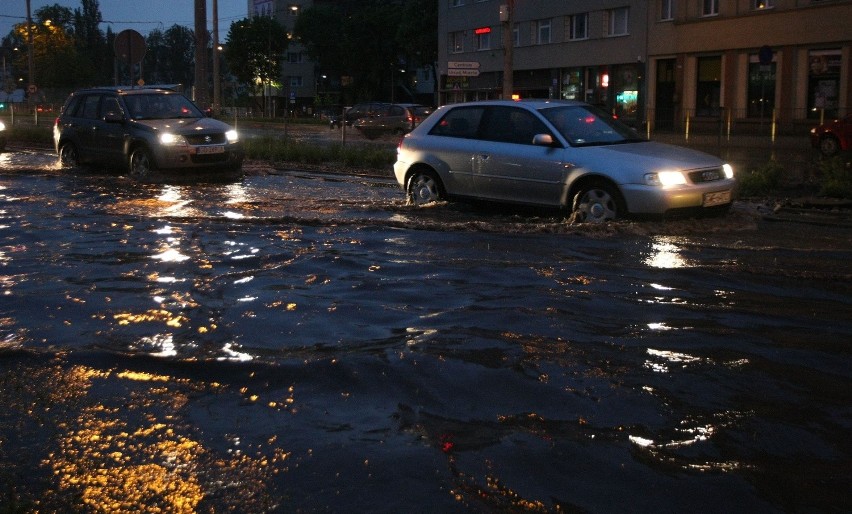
(584, 125)
(110, 104)
(89, 107)
(511, 125)
(460, 122)
(396, 110)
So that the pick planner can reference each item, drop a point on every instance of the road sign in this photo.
(456, 72)
(463, 65)
(129, 46)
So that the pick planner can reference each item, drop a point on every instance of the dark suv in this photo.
(142, 129)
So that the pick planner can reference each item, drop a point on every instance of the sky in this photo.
(139, 15)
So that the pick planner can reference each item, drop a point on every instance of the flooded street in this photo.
(296, 341)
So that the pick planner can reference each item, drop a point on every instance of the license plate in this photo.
(204, 150)
(718, 198)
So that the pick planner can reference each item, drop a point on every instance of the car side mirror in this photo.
(113, 117)
(543, 140)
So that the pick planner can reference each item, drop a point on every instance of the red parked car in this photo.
(833, 136)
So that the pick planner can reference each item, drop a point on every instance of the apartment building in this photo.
(657, 62)
(299, 83)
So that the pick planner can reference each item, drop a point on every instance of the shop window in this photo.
(708, 91)
(823, 83)
(761, 88)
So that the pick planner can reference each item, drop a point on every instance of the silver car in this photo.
(561, 154)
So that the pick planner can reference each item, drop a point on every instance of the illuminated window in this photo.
(762, 4)
(579, 26)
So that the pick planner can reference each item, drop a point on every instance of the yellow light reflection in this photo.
(665, 253)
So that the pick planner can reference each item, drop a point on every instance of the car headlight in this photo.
(170, 139)
(729, 170)
(232, 136)
(665, 178)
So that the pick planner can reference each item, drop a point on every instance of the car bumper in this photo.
(643, 199)
(213, 156)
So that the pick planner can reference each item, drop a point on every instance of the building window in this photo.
(516, 35)
(542, 32)
(483, 40)
(709, 7)
(617, 25)
(294, 57)
(457, 42)
(579, 26)
(295, 81)
(758, 5)
(761, 88)
(456, 3)
(708, 92)
(666, 10)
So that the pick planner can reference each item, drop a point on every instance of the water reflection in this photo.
(665, 253)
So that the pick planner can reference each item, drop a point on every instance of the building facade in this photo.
(656, 63)
(299, 84)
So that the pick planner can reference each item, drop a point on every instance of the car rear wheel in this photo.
(596, 202)
(141, 164)
(829, 146)
(424, 187)
(68, 156)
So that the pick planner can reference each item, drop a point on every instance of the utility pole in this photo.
(217, 79)
(30, 51)
(202, 96)
(507, 19)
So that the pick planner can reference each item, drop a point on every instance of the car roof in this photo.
(531, 103)
(168, 88)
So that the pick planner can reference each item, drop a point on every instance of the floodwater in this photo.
(295, 341)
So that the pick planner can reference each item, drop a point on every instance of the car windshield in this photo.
(586, 125)
(161, 106)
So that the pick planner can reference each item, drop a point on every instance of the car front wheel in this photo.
(829, 146)
(424, 187)
(68, 156)
(141, 164)
(596, 203)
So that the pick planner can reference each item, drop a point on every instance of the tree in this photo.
(254, 50)
(170, 55)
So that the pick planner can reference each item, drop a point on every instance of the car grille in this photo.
(205, 139)
(707, 175)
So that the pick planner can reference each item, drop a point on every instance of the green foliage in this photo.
(276, 150)
(761, 181)
(255, 48)
(836, 177)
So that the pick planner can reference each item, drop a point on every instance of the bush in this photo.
(836, 177)
(275, 150)
(761, 181)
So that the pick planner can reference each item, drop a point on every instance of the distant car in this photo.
(141, 130)
(833, 136)
(384, 119)
(3, 136)
(560, 154)
(351, 114)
